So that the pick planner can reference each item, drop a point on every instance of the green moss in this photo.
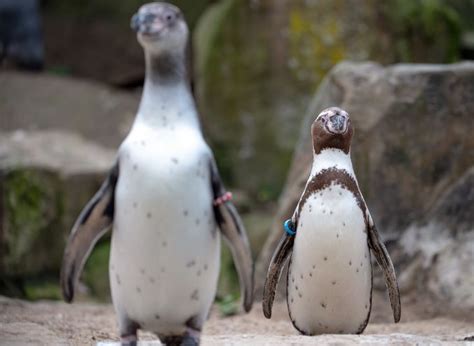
(42, 289)
(25, 201)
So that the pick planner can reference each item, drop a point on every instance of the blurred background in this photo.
(70, 82)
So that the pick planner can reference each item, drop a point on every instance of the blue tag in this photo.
(287, 225)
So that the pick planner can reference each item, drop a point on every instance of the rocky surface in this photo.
(46, 177)
(48, 323)
(412, 152)
(48, 102)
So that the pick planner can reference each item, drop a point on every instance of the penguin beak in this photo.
(338, 123)
(152, 24)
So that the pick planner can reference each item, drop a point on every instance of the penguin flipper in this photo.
(94, 220)
(383, 259)
(280, 256)
(233, 230)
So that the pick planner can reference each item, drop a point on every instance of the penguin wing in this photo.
(94, 220)
(277, 263)
(232, 228)
(383, 259)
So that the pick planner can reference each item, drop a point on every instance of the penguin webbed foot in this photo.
(129, 340)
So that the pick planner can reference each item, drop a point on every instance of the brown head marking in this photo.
(332, 129)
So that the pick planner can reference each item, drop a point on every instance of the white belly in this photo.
(165, 251)
(330, 274)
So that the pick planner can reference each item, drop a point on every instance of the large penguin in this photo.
(165, 202)
(328, 240)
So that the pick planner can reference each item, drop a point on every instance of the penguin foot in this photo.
(129, 340)
(187, 339)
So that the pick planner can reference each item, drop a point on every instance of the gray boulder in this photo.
(412, 152)
(44, 102)
(46, 177)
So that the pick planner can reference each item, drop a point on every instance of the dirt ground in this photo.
(57, 323)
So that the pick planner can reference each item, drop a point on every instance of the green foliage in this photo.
(228, 305)
(42, 289)
(422, 24)
(96, 271)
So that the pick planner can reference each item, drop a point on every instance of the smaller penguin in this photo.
(328, 241)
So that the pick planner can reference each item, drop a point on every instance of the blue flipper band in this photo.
(288, 230)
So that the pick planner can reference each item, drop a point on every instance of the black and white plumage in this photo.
(329, 283)
(159, 201)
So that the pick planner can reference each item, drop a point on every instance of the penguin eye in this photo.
(323, 120)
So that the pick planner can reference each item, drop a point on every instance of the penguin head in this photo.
(332, 129)
(161, 28)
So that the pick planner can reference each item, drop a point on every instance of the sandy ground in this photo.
(56, 323)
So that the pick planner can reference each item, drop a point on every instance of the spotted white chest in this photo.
(330, 274)
(165, 246)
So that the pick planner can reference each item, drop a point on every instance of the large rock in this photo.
(44, 102)
(413, 155)
(258, 63)
(46, 177)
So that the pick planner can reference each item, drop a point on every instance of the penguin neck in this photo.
(166, 98)
(332, 158)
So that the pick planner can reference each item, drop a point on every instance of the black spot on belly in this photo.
(135, 204)
(323, 304)
(190, 264)
(142, 270)
(333, 283)
(135, 167)
(301, 276)
(344, 224)
(157, 316)
(185, 213)
(117, 278)
(162, 269)
(139, 290)
(164, 244)
(314, 266)
(175, 160)
(350, 263)
(300, 295)
(205, 267)
(292, 279)
(151, 279)
(198, 222)
(357, 270)
(296, 287)
(310, 274)
(195, 295)
(148, 215)
(325, 258)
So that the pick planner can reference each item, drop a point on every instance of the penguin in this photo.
(165, 202)
(328, 241)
